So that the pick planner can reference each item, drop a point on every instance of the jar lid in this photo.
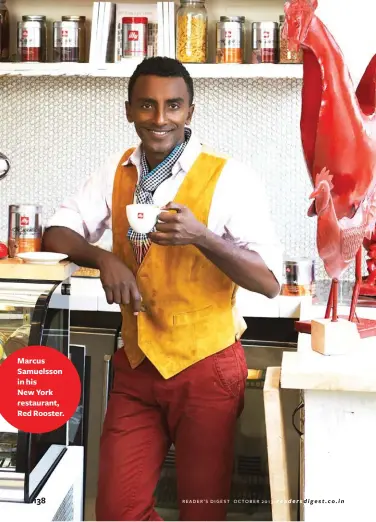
(266, 23)
(66, 23)
(187, 2)
(33, 18)
(25, 207)
(134, 20)
(240, 19)
(298, 260)
(73, 18)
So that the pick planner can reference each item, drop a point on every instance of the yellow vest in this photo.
(188, 301)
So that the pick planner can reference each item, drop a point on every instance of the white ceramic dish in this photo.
(42, 258)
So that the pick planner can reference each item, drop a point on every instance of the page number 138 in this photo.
(39, 501)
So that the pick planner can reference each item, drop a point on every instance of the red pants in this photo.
(197, 411)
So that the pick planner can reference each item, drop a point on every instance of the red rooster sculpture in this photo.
(338, 132)
(366, 94)
(368, 287)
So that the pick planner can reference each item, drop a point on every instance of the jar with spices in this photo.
(285, 54)
(192, 32)
(4, 31)
(25, 229)
(264, 42)
(32, 39)
(230, 39)
(298, 276)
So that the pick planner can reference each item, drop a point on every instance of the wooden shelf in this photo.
(125, 70)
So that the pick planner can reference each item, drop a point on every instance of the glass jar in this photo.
(192, 32)
(4, 31)
(32, 38)
(230, 39)
(81, 22)
(285, 55)
(69, 39)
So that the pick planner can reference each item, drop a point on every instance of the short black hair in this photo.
(164, 67)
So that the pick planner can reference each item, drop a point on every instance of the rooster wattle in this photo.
(338, 132)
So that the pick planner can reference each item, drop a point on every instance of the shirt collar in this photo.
(185, 161)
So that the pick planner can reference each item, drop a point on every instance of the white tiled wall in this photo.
(57, 130)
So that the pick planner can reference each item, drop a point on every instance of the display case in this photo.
(35, 312)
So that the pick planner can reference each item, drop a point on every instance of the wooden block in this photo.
(11, 269)
(276, 444)
(87, 272)
(334, 338)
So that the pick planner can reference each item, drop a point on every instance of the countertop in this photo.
(88, 294)
(354, 371)
(308, 370)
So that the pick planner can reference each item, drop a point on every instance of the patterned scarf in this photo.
(148, 183)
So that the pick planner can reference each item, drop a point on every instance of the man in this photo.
(181, 376)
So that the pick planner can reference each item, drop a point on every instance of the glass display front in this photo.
(30, 314)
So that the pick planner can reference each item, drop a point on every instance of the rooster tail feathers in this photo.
(366, 90)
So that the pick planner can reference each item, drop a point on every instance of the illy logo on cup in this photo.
(24, 220)
(140, 215)
(133, 35)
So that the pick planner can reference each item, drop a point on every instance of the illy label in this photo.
(133, 36)
(135, 40)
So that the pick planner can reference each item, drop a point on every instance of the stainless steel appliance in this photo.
(264, 342)
(28, 317)
(250, 494)
(251, 474)
(98, 342)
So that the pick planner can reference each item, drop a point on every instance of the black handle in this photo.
(301, 405)
(5, 172)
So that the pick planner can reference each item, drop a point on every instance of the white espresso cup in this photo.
(142, 218)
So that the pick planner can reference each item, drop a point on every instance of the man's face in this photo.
(159, 109)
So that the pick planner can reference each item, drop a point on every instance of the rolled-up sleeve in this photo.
(88, 211)
(241, 214)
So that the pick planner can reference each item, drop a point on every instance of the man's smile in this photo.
(159, 133)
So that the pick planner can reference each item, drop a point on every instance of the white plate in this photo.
(42, 258)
